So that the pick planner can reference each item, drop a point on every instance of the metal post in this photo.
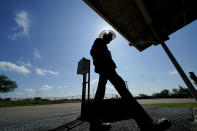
(83, 95)
(89, 83)
(180, 71)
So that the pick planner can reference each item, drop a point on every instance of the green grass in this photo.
(173, 104)
(191, 127)
(32, 102)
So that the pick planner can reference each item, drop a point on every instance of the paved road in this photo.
(34, 116)
(43, 111)
(38, 112)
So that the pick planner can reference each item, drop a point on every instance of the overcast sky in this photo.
(41, 42)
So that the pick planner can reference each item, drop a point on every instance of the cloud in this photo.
(61, 87)
(172, 72)
(46, 88)
(94, 82)
(110, 87)
(26, 64)
(154, 90)
(43, 72)
(22, 28)
(19, 93)
(131, 85)
(11, 67)
(37, 55)
(147, 84)
(29, 90)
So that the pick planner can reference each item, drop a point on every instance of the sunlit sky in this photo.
(41, 42)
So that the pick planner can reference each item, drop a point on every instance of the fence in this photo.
(107, 96)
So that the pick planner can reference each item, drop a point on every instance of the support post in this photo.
(83, 95)
(180, 71)
(89, 83)
(193, 77)
(148, 20)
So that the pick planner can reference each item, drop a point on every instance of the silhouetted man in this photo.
(105, 67)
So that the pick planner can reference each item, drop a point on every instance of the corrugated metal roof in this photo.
(146, 22)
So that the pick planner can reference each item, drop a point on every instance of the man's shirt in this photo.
(102, 57)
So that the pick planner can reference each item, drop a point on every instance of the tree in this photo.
(156, 95)
(143, 96)
(164, 93)
(175, 91)
(184, 92)
(181, 92)
(7, 85)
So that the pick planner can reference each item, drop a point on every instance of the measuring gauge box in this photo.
(83, 66)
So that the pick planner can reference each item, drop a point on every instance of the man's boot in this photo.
(157, 125)
(99, 126)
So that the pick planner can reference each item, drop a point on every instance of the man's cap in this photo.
(107, 32)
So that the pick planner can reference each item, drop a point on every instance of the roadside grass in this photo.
(32, 102)
(172, 104)
(40, 101)
(191, 126)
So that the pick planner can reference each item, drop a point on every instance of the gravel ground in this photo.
(180, 117)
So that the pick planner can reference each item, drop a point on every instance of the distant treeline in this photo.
(175, 93)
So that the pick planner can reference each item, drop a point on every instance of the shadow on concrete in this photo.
(69, 126)
(110, 110)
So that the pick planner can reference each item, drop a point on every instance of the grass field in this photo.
(39, 101)
(31, 102)
(173, 104)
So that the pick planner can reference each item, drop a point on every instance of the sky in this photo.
(41, 42)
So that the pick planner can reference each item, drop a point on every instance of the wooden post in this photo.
(193, 77)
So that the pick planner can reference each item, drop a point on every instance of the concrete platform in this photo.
(180, 117)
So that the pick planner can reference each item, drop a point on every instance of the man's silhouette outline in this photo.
(105, 67)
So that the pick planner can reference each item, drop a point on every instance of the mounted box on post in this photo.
(84, 69)
(83, 66)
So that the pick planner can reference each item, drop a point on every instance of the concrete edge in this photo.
(195, 113)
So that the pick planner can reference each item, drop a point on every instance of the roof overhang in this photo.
(146, 22)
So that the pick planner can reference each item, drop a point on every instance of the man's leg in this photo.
(96, 122)
(140, 115)
(144, 121)
(99, 96)
(100, 92)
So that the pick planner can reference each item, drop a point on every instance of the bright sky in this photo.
(42, 41)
